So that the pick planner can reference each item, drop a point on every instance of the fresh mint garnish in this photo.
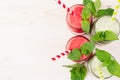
(104, 36)
(109, 35)
(104, 12)
(74, 54)
(92, 7)
(86, 26)
(112, 65)
(102, 55)
(87, 11)
(87, 48)
(97, 4)
(114, 68)
(78, 73)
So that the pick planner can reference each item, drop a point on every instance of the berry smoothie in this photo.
(77, 42)
(74, 22)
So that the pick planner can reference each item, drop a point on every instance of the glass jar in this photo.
(77, 42)
(74, 22)
(93, 66)
(106, 23)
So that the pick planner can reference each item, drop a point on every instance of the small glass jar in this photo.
(74, 22)
(77, 42)
(105, 23)
(93, 65)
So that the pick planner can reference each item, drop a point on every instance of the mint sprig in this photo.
(87, 11)
(78, 72)
(104, 36)
(86, 49)
(112, 65)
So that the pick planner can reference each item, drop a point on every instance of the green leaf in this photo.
(109, 35)
(86, 12)
(74, 54)
(78, 73)
(99, 36)
(86, 1)
(104, 36)
(86, 26)
(73, 66)
(97, 4)
(104, 12)
(102, 55)
(83, 71)
(114, 68)
(92, 7)
(87, 48)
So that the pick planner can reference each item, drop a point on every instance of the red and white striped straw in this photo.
(60, 55)
(65, 7)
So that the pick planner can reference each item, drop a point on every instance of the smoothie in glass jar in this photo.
(74, 22)
(77, 42)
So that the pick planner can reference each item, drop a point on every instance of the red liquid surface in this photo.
(77, 42)
(75, 21)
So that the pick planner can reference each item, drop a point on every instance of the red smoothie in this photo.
(74, 22)
(77, 42)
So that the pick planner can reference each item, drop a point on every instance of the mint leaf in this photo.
(99, 36)
(86, 12)
(104, 12)
(86, 1)
(109, 35)
(102, 55)
(114, 68)
(86, 26)
(92, 7)
(97, 4)
(104, 36)
(87, 48)
(77, 65)
(78, 73)
(83, 72)
(74, 54)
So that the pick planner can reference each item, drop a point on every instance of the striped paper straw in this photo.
(60, 55)
(100, 73)
(116, 10)
(65, 7)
